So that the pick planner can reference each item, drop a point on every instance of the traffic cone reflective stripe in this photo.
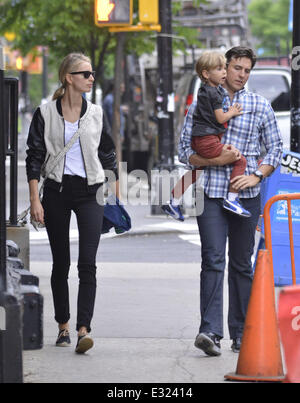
(289, 326)
(260, 355)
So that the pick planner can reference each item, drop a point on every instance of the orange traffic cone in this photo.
(260, 355)
(289, 326)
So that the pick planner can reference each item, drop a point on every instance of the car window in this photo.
(274, 87)
(196, 88)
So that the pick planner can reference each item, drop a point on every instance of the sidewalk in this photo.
(145, 322)
(142, 223)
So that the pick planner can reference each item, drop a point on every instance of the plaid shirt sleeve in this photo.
(257, 127)
(184, 146)
(271, 139)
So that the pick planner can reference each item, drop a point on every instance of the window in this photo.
(274, 87)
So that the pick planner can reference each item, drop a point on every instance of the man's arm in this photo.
(247, 181)
(273, 143)
(229, 155)
(271, 139)
(184, 146)
(188, 156)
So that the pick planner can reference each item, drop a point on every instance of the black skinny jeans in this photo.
(57, 211)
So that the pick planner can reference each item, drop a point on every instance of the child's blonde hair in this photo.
(209, 60)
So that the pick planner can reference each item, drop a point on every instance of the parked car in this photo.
(272, 82)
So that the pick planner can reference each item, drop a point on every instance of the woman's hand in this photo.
(36, 208)
(37, 211)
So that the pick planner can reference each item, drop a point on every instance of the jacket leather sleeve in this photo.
(36, 151)
(107, 150)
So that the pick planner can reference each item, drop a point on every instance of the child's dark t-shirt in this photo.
(204, 120)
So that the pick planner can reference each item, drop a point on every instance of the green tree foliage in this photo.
(68, 26)
(63, 26)
(269, 25)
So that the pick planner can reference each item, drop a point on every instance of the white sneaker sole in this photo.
(238, 211)
(173, 214)
(63, 344)
(205, 344)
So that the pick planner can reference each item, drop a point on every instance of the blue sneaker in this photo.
(173, 211)
(235, 207)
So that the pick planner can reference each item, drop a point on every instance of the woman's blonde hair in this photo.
(69, 64)
(209, 60)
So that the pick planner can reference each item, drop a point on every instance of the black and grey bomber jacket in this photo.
(46, 139)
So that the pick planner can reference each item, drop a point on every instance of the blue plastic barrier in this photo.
(286, 179)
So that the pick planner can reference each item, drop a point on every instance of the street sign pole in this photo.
(2, 182)
(118, 79)
(3, 286)
(295, 91)
(165, 96)
(164, 111)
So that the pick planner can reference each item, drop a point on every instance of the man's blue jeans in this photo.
(215, 226)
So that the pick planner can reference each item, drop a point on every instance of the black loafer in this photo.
(236, 345)
(209, 343)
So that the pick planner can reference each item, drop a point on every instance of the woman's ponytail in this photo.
(58, 93)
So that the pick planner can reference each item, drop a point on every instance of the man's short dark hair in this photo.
(240, 51)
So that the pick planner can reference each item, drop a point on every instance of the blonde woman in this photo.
(71, 186)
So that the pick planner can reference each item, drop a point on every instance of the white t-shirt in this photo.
(74, 164)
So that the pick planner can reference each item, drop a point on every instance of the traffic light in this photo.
(113, 13)
(148, 11)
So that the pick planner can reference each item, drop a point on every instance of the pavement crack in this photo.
(181, 361)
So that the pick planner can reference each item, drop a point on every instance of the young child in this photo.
(209, 125)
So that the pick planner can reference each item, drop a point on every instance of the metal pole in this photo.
(164, 105)
(11, 132)
(116, 124)
(295, 91)
(2, 183)
(3, 286)
(165, 96)
(45, 73)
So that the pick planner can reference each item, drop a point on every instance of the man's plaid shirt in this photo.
(251, 133)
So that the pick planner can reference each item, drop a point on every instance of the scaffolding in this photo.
(221, 24)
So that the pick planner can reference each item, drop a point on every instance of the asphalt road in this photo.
(161, 248)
